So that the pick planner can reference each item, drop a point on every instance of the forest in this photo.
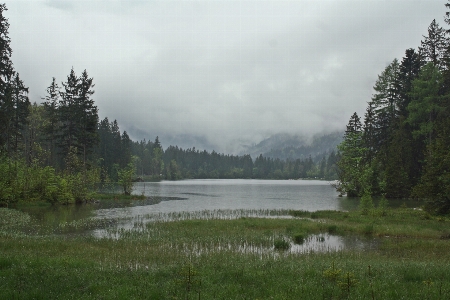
(401, 147)
(60, 152)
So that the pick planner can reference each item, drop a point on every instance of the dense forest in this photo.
(401, 148)
(59, 150)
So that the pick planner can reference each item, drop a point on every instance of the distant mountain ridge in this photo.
(286, 146)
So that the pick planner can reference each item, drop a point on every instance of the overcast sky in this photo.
(230, 72)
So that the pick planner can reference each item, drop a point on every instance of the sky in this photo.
(218, 74)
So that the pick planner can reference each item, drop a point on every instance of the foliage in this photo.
(125, 176)
(366, 204)
(350, 165)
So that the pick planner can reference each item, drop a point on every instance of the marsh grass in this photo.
(153, 260)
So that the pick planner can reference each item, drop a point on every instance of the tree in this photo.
(351, 151)
(69, 114)
(17, 96)
(409, 70)
(157, 162)
(51, 115)
(386, 102)
(88, 112)
(14, 101)
(125, 176)
(434, 185)
(432, 48)
(426, 102)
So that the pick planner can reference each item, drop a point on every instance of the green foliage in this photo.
(125, 176)
(281, 244)
(299, 238)
(434, 185)
(366, 204)
(352, 152)
(425, 104)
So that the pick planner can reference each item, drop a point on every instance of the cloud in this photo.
(227, 72)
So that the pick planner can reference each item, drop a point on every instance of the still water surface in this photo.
(234, 194)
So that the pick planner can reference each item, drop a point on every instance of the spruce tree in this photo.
(88, 116)
(350, 164)
(51, 113)
(69, 115)
(433, 47)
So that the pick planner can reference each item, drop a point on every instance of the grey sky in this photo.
(231, 72)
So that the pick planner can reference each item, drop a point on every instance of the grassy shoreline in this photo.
(192, 259)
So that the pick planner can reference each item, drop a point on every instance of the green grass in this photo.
(207, 259)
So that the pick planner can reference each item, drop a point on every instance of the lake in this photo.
(234, 194)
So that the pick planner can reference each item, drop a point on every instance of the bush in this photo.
(332, 229)
(281, 244)
(299, 238)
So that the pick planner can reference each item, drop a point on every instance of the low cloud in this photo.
(228, 73)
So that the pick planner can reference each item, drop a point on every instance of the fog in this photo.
(222, 74)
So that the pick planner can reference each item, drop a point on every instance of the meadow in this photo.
(207, 256)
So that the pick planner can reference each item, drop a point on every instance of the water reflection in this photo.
(331, 243)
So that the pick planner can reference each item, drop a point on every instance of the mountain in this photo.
(285, 146)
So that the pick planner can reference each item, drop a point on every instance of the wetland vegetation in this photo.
(203, 255)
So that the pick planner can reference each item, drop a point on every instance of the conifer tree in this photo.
(51, 114)
(14, 103)
(350, 164)
(88, 116)
(68, 114)
(433, 47)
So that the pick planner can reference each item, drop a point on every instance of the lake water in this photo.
(233, 194)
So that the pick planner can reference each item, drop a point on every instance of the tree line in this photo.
(401, 148)
(59, 150)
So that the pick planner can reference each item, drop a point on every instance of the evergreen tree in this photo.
(14, 103)
(434, 185)
(426, 102)
(434, 45)
(350, 166)
(88, 112)
(69, 114)
(409, 70)
(18, 115)
(51, 115)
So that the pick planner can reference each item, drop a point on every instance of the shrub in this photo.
(299, 238)
(332, 229)
(281, 244)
